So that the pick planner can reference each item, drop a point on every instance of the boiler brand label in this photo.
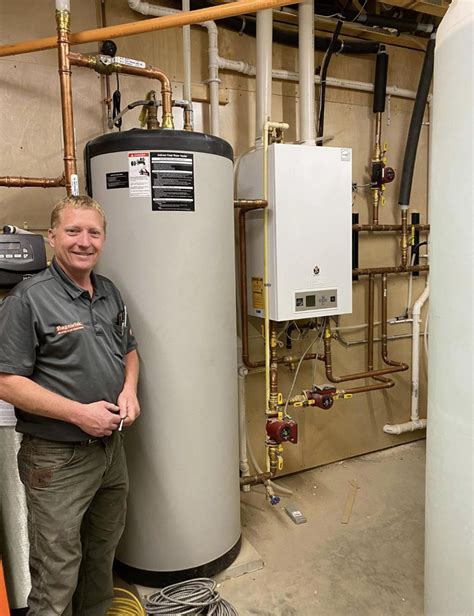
(172, 182)
(139, 174)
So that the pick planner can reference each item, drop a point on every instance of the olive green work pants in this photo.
(76, 497)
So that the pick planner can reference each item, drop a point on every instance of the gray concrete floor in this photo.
(373, 565)
(370, 566)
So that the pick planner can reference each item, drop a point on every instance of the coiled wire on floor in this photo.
(190, 598)
(125, 603)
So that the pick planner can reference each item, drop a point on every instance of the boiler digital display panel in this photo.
(319, 300)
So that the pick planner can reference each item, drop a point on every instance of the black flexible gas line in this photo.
(323, 75)
(415, 124)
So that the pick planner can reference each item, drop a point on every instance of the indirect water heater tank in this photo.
(168, 197)
(449, 563)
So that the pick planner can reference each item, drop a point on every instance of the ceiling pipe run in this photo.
(231, 9)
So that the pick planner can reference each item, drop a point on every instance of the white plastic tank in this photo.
(168, 196)
(449, 555)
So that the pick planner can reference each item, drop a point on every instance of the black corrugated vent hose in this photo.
(415, 124)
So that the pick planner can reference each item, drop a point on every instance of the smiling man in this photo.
(68, 362)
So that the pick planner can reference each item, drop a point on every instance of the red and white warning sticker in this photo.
(139, 174)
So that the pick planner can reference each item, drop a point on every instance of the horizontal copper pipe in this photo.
(150, 72)
(398, 269)
(254, 480)
(386, 384)
(360, 227)
(148, 25)
(354, 376)
(22, 182)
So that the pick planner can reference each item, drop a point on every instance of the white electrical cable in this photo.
(426, 333)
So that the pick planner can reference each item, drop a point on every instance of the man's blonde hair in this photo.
(79, 202)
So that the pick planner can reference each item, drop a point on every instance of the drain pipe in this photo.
(306, 71)
(145, 8)
(415, 422)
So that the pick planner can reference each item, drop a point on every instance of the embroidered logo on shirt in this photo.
(70, 327)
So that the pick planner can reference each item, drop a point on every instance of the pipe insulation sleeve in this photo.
(415, 125)
(380, 84)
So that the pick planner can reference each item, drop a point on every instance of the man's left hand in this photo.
(128, 405)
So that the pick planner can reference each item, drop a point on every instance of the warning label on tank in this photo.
(258, 301)
(117, 179)
(172, 182)
(139, 174)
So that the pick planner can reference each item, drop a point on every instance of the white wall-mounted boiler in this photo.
(310, 230)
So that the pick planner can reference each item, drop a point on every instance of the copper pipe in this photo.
(254, 480)
(377, 192)
(389, 362)
(371, 319)
(398, 269)
(348, 377)
(22, 182)
(184, 18)
(386, 384)
(64, 70)
(404, 238)
(150, 72)
(273, 401)
(359, 227)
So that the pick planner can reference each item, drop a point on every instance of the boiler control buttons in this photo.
(312, 301)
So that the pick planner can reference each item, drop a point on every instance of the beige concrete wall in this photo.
(30, 130)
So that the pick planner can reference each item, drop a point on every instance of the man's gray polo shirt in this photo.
(53, 333)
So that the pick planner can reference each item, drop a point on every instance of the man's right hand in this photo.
(99, 418)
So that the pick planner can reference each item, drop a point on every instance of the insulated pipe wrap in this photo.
(415, 125)
(380, 84)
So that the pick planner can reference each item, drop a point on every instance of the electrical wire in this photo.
(317, 339)
(128, 605)
(426, 333)
(189, 598)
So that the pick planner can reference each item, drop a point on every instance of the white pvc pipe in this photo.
(415, 422)
(245, 68)
(263, 71)
(306, 71)
(145, 8)
(186, 56)
(63, 5)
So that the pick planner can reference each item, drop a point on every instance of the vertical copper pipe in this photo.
(376, 192)
(404, 238)
(371, 319)
(386, 359)
(273, 402)
(64, 70)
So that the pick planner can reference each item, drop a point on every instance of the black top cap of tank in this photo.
(161, 139)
